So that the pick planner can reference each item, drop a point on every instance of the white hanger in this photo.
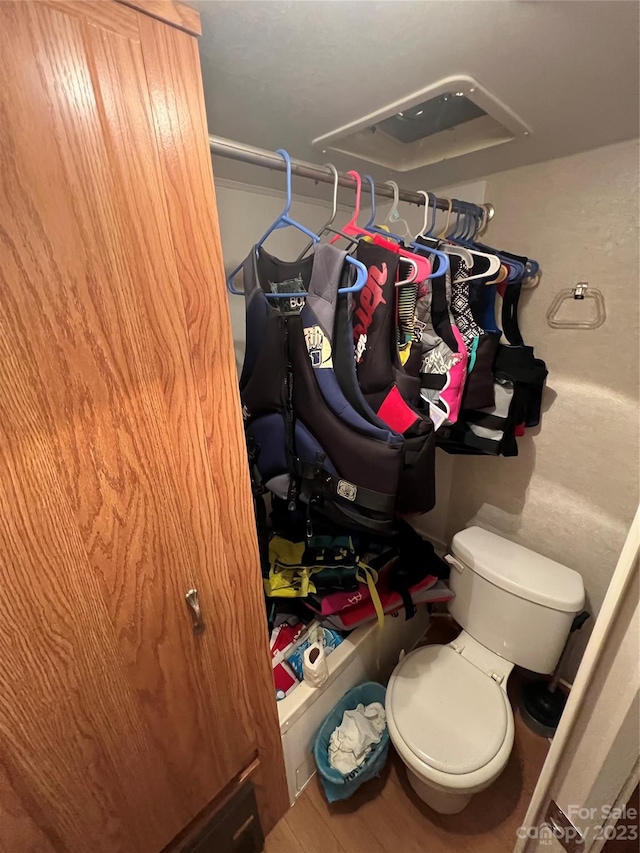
(409, 269)
(427, 209)
(492, 269)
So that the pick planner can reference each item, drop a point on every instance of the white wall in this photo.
(572, 492)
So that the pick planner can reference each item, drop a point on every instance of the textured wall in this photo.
(571, 494)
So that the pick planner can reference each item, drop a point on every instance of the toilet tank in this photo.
(515, 602)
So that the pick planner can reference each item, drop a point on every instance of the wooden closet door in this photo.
(118, 723)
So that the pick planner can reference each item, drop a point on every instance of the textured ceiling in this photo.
(278, 74)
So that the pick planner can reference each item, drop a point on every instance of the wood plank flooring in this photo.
(385, 815)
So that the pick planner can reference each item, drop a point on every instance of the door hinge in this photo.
(558, 825)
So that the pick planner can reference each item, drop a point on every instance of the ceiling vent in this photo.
(453, 117)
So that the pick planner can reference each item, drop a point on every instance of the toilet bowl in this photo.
(450, 720)
(447, 707)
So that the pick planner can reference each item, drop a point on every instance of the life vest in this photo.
(481, 345)
(386, 387)
(305, 438)
(519, 379)
(444, 357)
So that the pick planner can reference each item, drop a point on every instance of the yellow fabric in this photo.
(382, 227)
(370, 577)
(285, 552)
(289, 583)
(404, 352)
(287, 578)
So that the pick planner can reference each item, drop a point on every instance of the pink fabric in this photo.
(334, 602)
(359, 602)
(451, 394)
(391, 603)
(395, 412)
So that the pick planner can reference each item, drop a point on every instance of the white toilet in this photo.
(449, 716)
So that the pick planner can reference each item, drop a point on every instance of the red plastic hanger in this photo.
(422, 267)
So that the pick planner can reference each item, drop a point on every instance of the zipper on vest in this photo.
(289, 420)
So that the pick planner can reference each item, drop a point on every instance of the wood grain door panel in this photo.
(175, 87)
(113, 714)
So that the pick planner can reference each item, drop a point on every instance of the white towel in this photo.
(351, 742)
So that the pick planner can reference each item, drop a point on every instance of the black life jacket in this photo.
(537, 372)
(304, 436)
(519, 379)
(379, 369)
(417, 558)
(479, 387)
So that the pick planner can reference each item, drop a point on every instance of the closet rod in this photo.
(271, 160)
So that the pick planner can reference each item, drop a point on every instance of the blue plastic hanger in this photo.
(462, 231)
(476, 219)
(429, 199)
(282, 221)
(519, 271)
(457, 237)
(469, 221)
(462, 224)
(465, 225)
(372, 190)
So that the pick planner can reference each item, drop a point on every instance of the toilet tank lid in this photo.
(518, 570)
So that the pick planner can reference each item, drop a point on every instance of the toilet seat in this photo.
(449, 717)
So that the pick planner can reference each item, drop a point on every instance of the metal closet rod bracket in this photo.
(233, 150)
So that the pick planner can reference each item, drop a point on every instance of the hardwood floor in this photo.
(385, 815)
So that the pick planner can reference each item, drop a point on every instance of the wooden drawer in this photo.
(229, 824)
(234, 829)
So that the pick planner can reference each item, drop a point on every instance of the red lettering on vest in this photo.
(368, 300)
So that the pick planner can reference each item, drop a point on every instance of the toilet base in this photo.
(444, 802)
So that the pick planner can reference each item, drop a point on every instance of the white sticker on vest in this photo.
(361, 346)
(437, 415)
(347, 490)
(318, 347)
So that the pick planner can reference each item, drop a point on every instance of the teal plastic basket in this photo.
(336, 786)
